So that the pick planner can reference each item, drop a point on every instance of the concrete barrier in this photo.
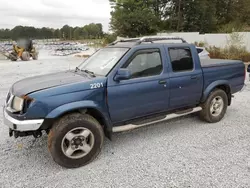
(212, 39)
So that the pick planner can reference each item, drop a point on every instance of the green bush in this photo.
(200, 44)
(215, 53)
(245, 57)
(232, 27)
(109, 38)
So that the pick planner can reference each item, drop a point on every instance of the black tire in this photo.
(13, 56)
(35, 56)
(65, 125)
(13, 59)
(206, 113)
(25, 56)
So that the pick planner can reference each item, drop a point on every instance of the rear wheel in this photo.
(215, 106)
(35, 56)
(75, 140)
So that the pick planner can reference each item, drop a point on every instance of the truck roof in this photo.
(145, 40)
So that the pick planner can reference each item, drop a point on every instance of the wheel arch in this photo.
(223, 85)
(95, 111)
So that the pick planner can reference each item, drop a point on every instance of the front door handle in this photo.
(162, 82)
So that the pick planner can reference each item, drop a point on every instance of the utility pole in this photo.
(70, 33)
(179, 16)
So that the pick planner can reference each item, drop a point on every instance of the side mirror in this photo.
(122, 74)
(248, 68)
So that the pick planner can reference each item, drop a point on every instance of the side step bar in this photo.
(168, 117)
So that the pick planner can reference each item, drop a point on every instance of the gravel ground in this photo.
(185, 152)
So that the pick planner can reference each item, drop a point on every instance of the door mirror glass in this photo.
(122, 74)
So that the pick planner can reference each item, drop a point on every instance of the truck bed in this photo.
(218, 62)
(219, 69)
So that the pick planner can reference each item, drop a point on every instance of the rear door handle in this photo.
(195, 77)
(162, 82)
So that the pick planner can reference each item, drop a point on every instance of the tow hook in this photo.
(37, 134)
(16, 134)
(10, 133)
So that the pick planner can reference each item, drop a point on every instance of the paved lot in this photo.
(185, 152)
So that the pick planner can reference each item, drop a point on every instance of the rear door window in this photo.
(181, 59)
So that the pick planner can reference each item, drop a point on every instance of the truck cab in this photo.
(143, 77)
(126, 85)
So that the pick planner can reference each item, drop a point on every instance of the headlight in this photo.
(17, 103)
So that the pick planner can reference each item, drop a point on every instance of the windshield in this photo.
(101, 62)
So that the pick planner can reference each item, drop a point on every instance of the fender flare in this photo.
(57, 112)
(211, 87)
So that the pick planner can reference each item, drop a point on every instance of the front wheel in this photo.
(25, 56)
(75, 140)
(215, 107)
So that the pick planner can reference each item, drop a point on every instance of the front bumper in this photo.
(21, 125)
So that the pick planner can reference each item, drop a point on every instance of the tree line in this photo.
(90, 31)
(131, 18)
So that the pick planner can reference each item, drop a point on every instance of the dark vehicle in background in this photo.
(126, 85)
(248, 70)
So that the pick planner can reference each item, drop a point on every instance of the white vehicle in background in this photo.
(203, 53)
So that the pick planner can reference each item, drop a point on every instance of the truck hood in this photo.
(36, 83)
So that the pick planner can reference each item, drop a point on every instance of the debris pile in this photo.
(5, 48)
(56, 48)
(63, 48)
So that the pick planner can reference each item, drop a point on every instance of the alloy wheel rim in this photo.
(77, 143)
(216, 106)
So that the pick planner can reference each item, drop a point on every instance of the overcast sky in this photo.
(54, 13)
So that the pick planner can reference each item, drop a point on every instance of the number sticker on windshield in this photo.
(96, 85)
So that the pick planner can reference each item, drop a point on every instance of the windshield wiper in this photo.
(85, 70)
(89, 72)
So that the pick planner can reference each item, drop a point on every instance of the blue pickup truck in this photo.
(123, 86)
